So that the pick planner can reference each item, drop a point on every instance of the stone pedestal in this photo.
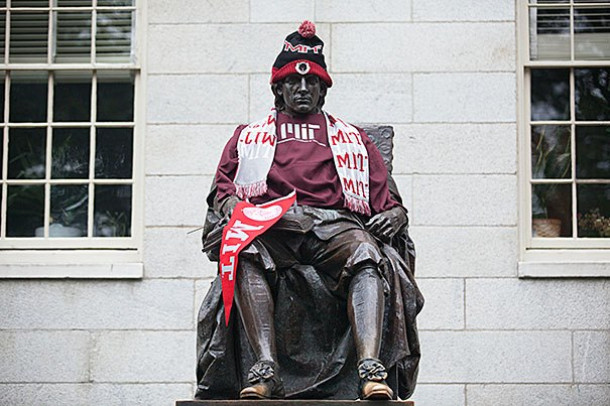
(287, 402)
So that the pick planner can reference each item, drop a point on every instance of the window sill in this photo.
(564, 269)
(133, 270)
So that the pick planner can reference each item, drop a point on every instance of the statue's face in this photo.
(301, 94)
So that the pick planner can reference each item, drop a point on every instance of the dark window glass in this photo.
(2, 97)
(594, 211)
(72, 96)
(69, 205)
(591, 20)
(551, 152)
(592, 94)
(26, 153)
(28, 100)
(552, 210)
(593, 152)
(25, 211)
(117, 3)
(2, 33)
(112, 211)
(550, 94)
(115, 96)
(29, 3)
(553, 20)
(74, 3)
(113, 153)
(70, 153)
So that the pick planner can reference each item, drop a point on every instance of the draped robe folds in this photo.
(316, 352)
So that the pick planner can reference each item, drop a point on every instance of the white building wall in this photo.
(443, 73)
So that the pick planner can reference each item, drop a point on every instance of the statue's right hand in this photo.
(227, 206)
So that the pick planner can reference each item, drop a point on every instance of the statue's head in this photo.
(299, 79)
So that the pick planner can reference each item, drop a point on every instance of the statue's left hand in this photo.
(387, 224)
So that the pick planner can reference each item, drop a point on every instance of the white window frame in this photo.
(88, 257)
(548, 257)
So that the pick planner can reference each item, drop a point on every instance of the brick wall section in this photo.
(443, 73)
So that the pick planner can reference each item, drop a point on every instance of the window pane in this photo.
(592, 33)
(1, 160)
(29, 34)
(550, 94)
(594, 211)
(113, 153)
(592, 94)
(29, 3)
(72, 96)
(115, 3)
(73, 37)
(2, 33)
(28, 100)
(70, 153)
(551, 152)
(26, 153)
(551, 210)
(25, 211)
(115, 96)
(593, 152)
(549, 33)
(114, 36)
(2, 97)
(112, 211)
(68, 210)
(74, 3)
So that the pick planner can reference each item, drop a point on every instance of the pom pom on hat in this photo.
(307, 29)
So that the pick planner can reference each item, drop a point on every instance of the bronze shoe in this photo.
(372, 375)
(265, 383)
(372, 390)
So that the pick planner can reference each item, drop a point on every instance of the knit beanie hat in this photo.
(302, 54)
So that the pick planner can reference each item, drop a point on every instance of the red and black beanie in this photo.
(302, 54)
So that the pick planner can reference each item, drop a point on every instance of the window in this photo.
(69, 84)
(565, 92)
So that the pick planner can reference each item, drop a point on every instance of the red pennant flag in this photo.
(247, 222)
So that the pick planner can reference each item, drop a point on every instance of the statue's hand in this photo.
(227, 206)
(387, 224)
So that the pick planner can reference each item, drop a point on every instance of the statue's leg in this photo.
(350, 262)
(255, 304)
(365, 306)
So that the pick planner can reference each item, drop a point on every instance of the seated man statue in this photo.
(325, 299)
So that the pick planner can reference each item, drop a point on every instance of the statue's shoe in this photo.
(264, 382)
(262, 390)
(372, 390)
(372, 375)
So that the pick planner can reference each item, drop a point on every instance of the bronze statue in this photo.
(326, 300)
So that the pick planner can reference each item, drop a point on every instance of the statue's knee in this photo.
(365, 256)
(367, 271)
(248, 268)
